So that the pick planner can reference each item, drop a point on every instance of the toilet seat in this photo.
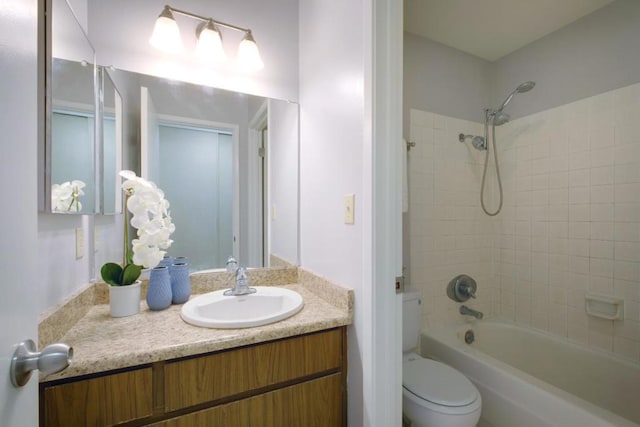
(434, 384)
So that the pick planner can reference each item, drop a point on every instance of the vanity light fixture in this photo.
(166, 34)
(166, 37)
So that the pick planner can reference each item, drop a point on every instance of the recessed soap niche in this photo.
(604, 306)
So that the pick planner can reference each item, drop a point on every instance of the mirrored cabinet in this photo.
(81, 151)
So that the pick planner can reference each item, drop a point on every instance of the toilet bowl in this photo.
(436, 395)
(433, 394)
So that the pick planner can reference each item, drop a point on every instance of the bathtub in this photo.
(532, 379)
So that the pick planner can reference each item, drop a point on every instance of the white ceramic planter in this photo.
(124, 300)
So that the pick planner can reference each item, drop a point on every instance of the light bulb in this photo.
(166, 34)
(248, 54)
(209, 46)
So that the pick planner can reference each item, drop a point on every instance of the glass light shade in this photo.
(166, 34)
(209, 46)
(248, 55)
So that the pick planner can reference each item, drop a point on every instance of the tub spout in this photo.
(470, 312)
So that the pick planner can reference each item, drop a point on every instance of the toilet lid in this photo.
(437, 382)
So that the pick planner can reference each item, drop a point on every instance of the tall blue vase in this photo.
(159, 290)
(166, 261)
(179, 260)
(180, 282)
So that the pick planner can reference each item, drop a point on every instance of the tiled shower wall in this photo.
(448, 233)
(570, 223)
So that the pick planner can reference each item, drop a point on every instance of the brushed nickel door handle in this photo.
(52, 359)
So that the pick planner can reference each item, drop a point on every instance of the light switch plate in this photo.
(349, 208)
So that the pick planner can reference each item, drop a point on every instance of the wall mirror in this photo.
(228, 164)
(69, 159)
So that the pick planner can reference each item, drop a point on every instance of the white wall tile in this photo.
(601, 231)
(626, 173)
(627, 251)
(602, 175)
(601, 249)
(570, 222)
(602, 212)
(601, 194)
(580, 160)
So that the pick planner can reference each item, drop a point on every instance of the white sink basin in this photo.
(268, 305)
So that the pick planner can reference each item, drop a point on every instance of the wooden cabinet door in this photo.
(231, 373)
(316, 403)
(101, 401)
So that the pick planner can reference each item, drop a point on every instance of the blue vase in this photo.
(166, 261)
(179, 260)
(159, 290)
(180, 282)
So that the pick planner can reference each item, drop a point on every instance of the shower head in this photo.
(501, 118)
(522, 88)
(525, 87)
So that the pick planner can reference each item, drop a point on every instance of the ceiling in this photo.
(491, 29)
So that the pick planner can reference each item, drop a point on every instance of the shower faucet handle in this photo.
(461, 288)
(466, 289)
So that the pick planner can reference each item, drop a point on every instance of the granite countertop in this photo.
(102, 343)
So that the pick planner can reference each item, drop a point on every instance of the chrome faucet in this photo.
(241, 287)
(470, 312)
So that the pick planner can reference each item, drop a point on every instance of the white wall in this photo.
(592, 55)
(443, 80)
(273, 23)
(332, 147)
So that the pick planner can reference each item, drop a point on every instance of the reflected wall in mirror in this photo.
(112, 135)
(228, 164)
(68, 185)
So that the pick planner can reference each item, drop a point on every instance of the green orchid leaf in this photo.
(111, 273)
(130, 273)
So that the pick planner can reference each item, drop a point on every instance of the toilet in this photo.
(433, 394)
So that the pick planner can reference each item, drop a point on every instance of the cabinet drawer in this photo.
(204, 379)
(102, 401)
(312, 403)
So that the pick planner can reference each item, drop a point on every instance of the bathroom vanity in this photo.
(155, 369)
(293, 381)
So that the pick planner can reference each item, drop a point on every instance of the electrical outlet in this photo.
(349, 208)
(79, 242)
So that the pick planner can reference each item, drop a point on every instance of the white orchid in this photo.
(152, 220)
(150, 217)
(65, 197)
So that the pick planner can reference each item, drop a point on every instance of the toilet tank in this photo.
(411, 320)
